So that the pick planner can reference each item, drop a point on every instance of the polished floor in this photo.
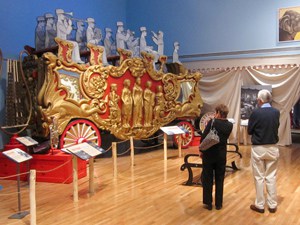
(152, 193)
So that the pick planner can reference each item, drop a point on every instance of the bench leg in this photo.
(233, 165)
(190, 179)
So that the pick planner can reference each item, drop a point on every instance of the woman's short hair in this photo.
(223, 110)
(265, 96)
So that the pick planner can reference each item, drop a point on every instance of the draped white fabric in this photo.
(224, 86)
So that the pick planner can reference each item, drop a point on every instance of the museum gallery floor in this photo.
(152, 192)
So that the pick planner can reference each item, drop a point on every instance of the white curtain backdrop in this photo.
(222, 82)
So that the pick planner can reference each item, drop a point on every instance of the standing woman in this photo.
(214, 159)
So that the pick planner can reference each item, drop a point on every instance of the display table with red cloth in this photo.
(53, 168)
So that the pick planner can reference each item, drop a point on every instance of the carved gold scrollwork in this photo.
(171, 87)
(124, 54)
(65, 49)
(96, 54)
(136, 67)
(94, 82)
(148, 60)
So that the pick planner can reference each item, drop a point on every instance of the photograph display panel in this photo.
(248, 98)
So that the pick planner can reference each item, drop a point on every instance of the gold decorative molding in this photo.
(65, 49)
(96, 53)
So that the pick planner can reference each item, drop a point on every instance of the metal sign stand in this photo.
(19, 214)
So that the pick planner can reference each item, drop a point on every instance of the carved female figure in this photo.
(127, 103)
(159, 102)
(137, 94)
(149, 97)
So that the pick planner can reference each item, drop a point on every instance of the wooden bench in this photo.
(233, 154)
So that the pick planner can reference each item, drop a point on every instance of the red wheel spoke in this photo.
(186, 138)
(79, 131)
(86, 132)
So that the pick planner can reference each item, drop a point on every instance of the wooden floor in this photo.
(152, 193)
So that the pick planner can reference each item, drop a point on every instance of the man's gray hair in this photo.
(265, 96)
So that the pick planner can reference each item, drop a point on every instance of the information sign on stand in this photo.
(172, 130)
(18, 156)
(84, 151)
(27, 141)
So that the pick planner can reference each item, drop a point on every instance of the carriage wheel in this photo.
(187, 138)
(79, 131)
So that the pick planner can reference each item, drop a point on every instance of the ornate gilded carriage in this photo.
(133, 99)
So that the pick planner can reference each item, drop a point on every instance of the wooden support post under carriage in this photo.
(114, 155)
(132, 151)
(75, 179)
(165, 146)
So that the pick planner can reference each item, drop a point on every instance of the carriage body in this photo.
(86, 98)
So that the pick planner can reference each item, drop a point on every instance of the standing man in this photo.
(108, 43)
(121, 36)
(263, 126)
(40, 33)
(175, 53)
(81, 35)
(158, 39)
(143, 43)
(50, 31)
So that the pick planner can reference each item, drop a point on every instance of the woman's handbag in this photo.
(211, 139)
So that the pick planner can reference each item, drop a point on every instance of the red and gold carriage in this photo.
(88, 98)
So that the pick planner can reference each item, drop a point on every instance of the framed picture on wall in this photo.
(289, 24)
(248, 98)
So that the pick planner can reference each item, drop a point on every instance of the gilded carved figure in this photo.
(114, 98)
(159, 102)
(137, 95)
(126, 104)
(149, 101)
